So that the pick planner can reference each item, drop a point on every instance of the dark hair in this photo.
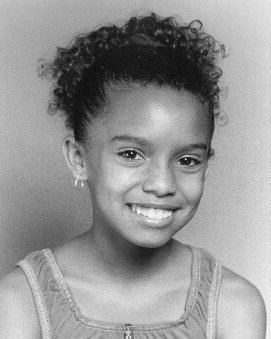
(146, 50)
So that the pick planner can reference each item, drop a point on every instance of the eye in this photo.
(188, 161)
(130, 155)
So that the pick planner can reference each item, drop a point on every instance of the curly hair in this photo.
(146, 50)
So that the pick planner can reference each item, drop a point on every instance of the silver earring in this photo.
(78, 180)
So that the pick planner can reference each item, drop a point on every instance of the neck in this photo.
(117, 257)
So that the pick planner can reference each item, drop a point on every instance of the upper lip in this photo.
(156, 205)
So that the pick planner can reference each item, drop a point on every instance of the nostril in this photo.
(160, 185)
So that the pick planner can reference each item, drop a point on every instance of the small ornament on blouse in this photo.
(128, 334)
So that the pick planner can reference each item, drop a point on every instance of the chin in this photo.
(151, 240)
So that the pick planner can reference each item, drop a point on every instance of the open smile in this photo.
(154, 215)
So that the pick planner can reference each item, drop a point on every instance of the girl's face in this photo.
(146, 163)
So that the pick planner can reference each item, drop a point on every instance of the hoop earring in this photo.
(76, 182)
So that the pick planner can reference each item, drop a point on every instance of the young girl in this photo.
(141, 101)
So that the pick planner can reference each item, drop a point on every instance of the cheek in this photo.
(112, 180)
(192, 188)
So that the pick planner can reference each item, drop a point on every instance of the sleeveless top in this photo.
(60, 317)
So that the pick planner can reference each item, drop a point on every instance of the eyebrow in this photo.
(192, 147)
(128, 138)
(144, 143)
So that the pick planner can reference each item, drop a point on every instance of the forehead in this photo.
(152, 111)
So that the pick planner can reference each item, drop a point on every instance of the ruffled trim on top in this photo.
(200, 312)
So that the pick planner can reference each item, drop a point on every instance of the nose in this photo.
(160, 180)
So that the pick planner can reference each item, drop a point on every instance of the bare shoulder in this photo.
(241, 310)
(18, 318)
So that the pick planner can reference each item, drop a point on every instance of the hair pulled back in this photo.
(146, 50)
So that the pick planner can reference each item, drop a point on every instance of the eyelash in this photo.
(131, 154)
(123, 154)
(191, 159)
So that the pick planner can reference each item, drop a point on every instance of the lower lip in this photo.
(155, 223)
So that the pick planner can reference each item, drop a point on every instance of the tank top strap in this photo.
(205, 306)
(213, 300)
(36, 271)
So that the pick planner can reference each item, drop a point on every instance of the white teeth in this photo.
(152, 213)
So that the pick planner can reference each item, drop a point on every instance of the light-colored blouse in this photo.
(60, 317)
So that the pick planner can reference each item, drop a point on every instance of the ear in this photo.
(210, 161)
(74, 155)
